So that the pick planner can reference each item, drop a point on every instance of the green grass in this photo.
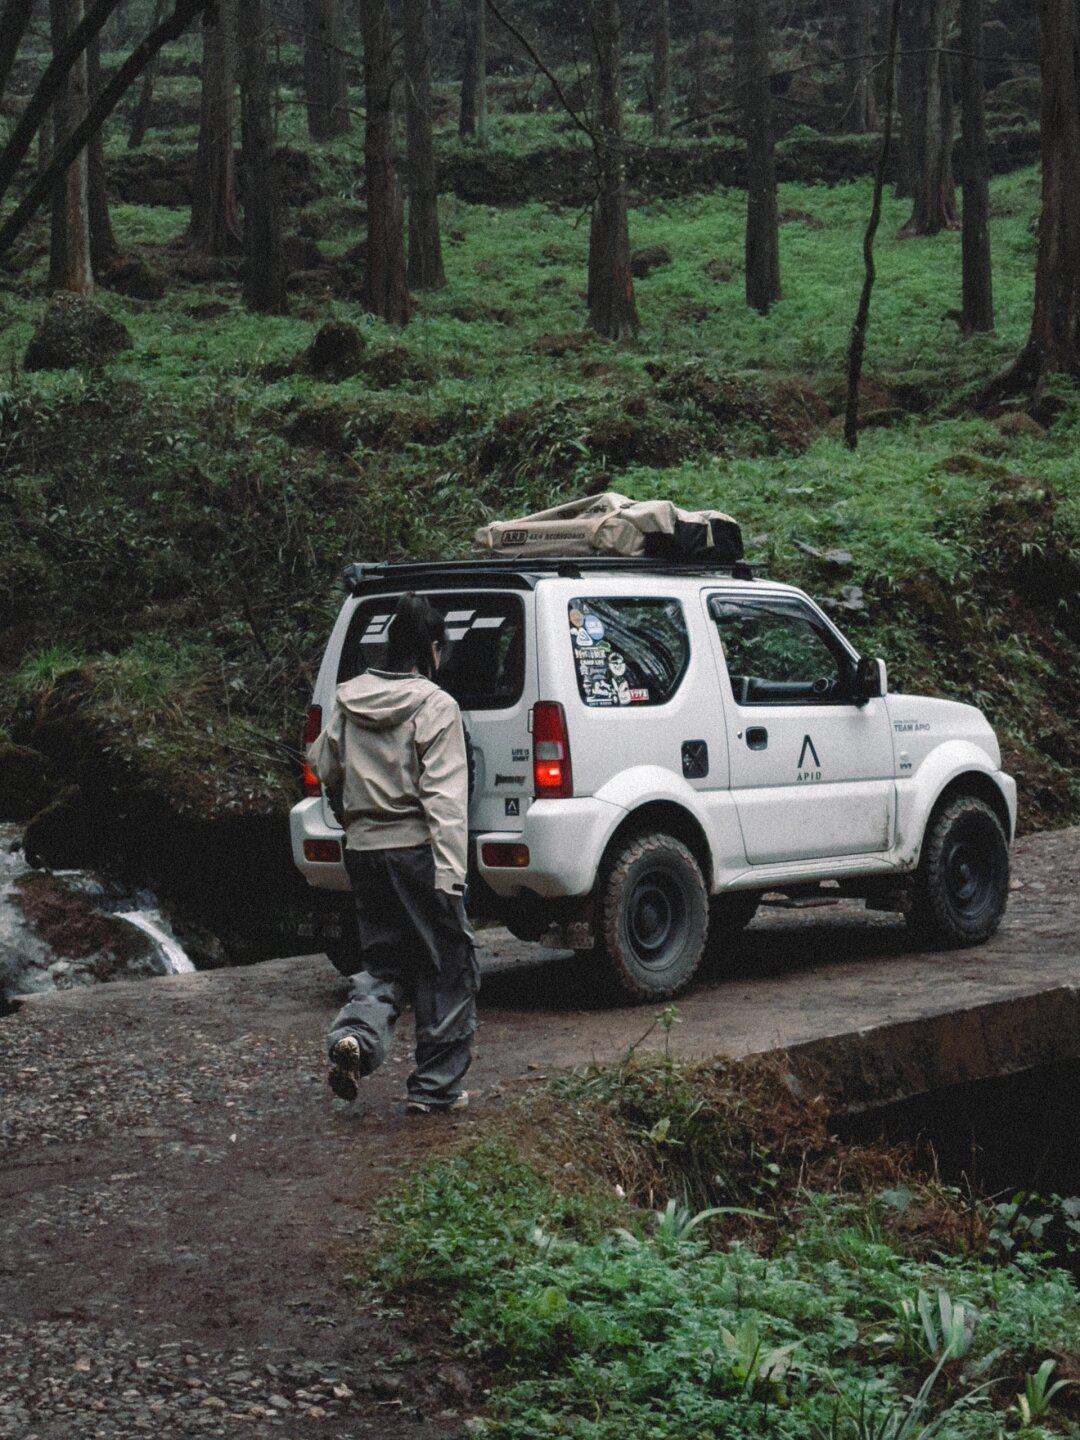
(600, 1320)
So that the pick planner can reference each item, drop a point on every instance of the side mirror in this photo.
(871, 680)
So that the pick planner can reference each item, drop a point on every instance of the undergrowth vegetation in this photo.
(788, 1285)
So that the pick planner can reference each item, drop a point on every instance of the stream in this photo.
(63, 928)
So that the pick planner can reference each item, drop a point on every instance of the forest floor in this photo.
(182, 1202)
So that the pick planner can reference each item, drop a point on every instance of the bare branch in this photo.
(103, 106)
(530, 49)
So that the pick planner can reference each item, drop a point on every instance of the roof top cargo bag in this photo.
(611, 524)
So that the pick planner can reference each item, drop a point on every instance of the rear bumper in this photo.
(565, 839)
(306, 822)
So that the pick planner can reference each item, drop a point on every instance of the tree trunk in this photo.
(926, 106)
(698, 85)
(425, 270)
(70, 266)
(264, 267)
(384, 291)
(661, 67)
(14, 19)
(103, 246)
(472, 122)
(762, 224)
(214, 228)
(326, 82)
(977, 306)
(857, 343)
(1053, 346)
(612, 306)
(140, 117)
(857, 43)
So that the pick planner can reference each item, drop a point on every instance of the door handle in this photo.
(757, 737)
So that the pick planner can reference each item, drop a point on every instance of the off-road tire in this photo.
(653, 910)
(962, 884)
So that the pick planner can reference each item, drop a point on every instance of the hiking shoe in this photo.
(344, 1076)
(422, 1107)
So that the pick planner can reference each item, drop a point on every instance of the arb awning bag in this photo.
(612, 524)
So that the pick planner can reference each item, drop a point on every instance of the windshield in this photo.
(484, 666)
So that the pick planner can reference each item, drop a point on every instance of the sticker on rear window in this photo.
(631, 651)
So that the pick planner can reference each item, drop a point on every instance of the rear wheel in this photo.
(962, 883)
(654, 917)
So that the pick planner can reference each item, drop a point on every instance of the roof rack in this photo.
(364, 576)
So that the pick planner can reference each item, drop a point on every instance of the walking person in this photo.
(393, 760)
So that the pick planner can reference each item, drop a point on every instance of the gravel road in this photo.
(180, 1197)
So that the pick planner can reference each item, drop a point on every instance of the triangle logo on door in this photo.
(808, 744)
(810, 773)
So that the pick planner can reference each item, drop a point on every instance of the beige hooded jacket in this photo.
(395, 745)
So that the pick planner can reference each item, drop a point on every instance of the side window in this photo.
(779, 653)
(628, 652)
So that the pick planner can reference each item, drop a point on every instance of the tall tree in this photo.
(326, 83)
(661, 67)
(857, 42)
(14, 19)
(70, 266)
(425, 269)
(698, 86)
(103, 246)
(751, 44)
(214, 228)
(472, 121)
(140, 116)
(1053, 345)
(926, 115)
(977, 304)
(384, 289)
(612, 306)
(264, 267)
(857, 344)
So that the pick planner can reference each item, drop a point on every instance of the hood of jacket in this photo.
(379, 701)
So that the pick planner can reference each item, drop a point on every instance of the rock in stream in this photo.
(64, 928)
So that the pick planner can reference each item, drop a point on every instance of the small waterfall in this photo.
(29, 962)
(152, 923)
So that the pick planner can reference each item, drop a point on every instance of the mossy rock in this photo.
(649, 258)
(128, 275)
(336, 352)
(74, 332)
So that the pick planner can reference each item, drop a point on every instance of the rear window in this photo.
(628, 652)
(484, 666)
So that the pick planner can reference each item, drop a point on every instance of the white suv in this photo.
(656, 746)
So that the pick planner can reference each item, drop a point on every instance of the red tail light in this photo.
(553, 774)
(312, 731)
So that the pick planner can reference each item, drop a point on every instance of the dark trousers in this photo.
(415, 947)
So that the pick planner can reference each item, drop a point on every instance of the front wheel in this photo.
(962, 883)
(654, 917)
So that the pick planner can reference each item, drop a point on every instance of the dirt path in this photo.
(179, 1195)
